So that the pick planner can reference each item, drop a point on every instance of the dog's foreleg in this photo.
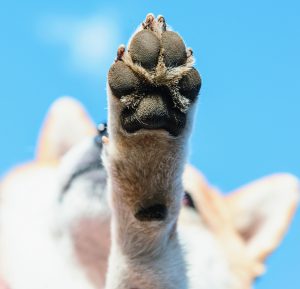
(149, 123)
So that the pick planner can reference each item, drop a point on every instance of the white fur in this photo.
(40, 232)
(32, 255)
(206, 262)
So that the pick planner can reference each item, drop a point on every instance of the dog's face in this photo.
(226, 239)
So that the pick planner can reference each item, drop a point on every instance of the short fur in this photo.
(68, 222)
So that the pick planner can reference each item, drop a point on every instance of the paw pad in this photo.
(155, 79)
(156, 212)
(122, 80)
(144, 49)
(189, 85)
(174, 50)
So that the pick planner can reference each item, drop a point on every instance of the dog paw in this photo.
(153, 83)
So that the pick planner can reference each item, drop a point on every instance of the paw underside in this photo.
(154, 79)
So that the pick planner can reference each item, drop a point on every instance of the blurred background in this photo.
(248, 53)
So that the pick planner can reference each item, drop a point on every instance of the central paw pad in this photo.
(154, 80)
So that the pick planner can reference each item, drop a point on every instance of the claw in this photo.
(148, 23)
(162, 22)
(105, 140)
(120, 53)
(189, 52)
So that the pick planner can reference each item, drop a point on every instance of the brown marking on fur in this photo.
(210, 210)
(146, 168)
(143, 173)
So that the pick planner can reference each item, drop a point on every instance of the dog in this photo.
(117, 207)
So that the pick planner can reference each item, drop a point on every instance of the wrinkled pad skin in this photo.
(174, 50)
(190, 84)
(154, 112)
(122, 80)
(144, 49)
(156, 109)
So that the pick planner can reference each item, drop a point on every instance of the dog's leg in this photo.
(152, 88)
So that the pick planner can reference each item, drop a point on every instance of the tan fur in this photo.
(215, 212)
(221, 244)
(138, 177)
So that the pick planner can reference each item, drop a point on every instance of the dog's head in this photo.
(245, 226)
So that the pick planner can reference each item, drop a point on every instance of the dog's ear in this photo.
(262, 211)
(66, 124)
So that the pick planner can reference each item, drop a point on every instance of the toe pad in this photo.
(174, 49)
(144, 49)
(122, 80)
(190, 84)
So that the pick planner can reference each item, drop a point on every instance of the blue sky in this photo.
(248, 53)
